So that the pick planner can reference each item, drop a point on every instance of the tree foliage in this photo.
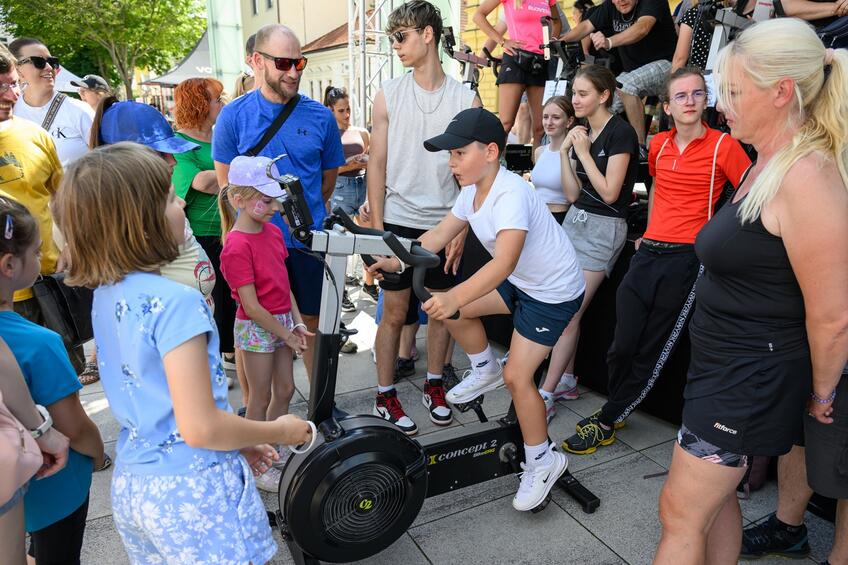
(115, 35)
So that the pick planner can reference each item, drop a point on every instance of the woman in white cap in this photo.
(92, 89)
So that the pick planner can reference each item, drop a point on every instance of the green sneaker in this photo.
(593, 419)
(588, 439)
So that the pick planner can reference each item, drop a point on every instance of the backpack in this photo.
(20, 457)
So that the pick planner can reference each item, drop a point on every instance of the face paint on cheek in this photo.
(260, 208)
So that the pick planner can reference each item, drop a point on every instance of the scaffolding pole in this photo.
(369, 54)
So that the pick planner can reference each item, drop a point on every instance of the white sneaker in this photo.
(565, 392)
(550, 407)
(284, 453)
(269, 481)
(473, 384)
(537, 482)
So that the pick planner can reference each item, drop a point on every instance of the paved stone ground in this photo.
(478, 524)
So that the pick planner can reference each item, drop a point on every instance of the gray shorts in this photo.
(647, 80)
(598, 240)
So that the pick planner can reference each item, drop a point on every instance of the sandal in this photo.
(89, 375)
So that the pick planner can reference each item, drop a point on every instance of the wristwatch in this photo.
(45, 425)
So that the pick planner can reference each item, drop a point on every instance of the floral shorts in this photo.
(210, 516)
(250, 336)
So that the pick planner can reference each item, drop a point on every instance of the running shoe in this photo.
(434, 400)
(565, 392)
(269, 481)
(589, 439)
(388, 407)
(347, 303)
(594, 419)
(351, 280)
(404, 368)
(550, 407)
(537, 482)
(474, 383)
(769, 537)
(371, 290)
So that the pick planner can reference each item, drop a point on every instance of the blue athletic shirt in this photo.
(310, 138)
(136, 322)
(50, 377)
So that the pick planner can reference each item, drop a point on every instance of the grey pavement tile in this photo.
(449, 503)
(586, 405)
(97, 408)
(627, 519)
(563, 426)
(820, 534)
(494, 533)
(643, 431)
(100, 501)
(661, 454)
(761, 503)
(93, 388)
(403, 551)
(102, 543)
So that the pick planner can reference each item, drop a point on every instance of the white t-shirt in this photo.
(547, 269)
(70, 128)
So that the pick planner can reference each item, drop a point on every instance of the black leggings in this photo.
(60, 543)
(225, 306)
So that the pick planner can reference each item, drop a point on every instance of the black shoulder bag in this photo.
(274, 127)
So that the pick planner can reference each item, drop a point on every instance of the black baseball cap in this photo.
(92, 82)
(473, 124)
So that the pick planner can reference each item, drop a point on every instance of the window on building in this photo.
(255, 5)
(270, 4)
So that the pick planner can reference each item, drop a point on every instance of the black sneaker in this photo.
(404, 368)
(589, 439)
(769, 537)
(449, 376)
(388, 407)
(371, 290)
(594, 419)
(347, 303)
(434, 400)
(351, 280)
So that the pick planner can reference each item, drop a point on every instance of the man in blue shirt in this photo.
(309, 137)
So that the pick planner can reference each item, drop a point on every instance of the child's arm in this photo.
(266, 320)
(433, 240)
(201, 423)
(300, 330)
(508, 246)
(70, 418)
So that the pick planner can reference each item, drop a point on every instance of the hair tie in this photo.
(9, 230)
(828, 62)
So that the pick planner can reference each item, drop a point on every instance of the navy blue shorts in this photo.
(539, 322)
(306, 276)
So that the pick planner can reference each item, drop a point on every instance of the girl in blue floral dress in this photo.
(182, 491)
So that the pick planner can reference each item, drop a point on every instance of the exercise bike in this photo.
(470, 64)
(361, 485)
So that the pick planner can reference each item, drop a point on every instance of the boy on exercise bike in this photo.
(533, 275)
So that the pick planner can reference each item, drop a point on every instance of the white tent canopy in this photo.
(63, 81)
(195, 65)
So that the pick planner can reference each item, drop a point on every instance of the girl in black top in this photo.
(771, 314)
(599, 165)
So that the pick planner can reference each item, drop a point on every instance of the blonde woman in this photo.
(770, 328)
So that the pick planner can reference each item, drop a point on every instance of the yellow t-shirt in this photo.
(30, 172)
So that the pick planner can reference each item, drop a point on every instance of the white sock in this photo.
(433, 376)
(545, 394)
(382, 389)
(484, 361)
(568, 380)
(537, 455)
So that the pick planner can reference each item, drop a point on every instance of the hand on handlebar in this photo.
(385, 264)
(599, 40)
(441, 306)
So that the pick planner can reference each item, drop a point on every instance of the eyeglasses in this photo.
(399, 36)
(41, 62)
(682, 97)
(285, 63)
(7, 86)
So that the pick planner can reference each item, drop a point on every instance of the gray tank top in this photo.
(420, 189)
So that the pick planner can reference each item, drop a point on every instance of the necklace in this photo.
(415, 95)
(632, 15)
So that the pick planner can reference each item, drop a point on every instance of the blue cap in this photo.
(253, 171)
(141, 123)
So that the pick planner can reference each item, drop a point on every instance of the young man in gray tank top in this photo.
(410, 190)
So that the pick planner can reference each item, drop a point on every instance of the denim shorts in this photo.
(349, 194)
(250, 336)
(209, 516)
(537, 321)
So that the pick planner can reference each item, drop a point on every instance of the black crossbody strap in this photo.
(53, 110)
(274, 127)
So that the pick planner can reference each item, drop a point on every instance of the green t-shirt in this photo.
(201, 208)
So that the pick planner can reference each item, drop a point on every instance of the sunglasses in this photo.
(6, 87)
(400, 35)
(285, 63)
(41, 62)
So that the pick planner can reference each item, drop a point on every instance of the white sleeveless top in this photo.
(547, 177)
(420, 189)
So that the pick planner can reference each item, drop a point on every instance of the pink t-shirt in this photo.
(525, 23)
(258, 259)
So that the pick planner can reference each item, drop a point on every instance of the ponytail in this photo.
(94, 139)
(227, 210)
